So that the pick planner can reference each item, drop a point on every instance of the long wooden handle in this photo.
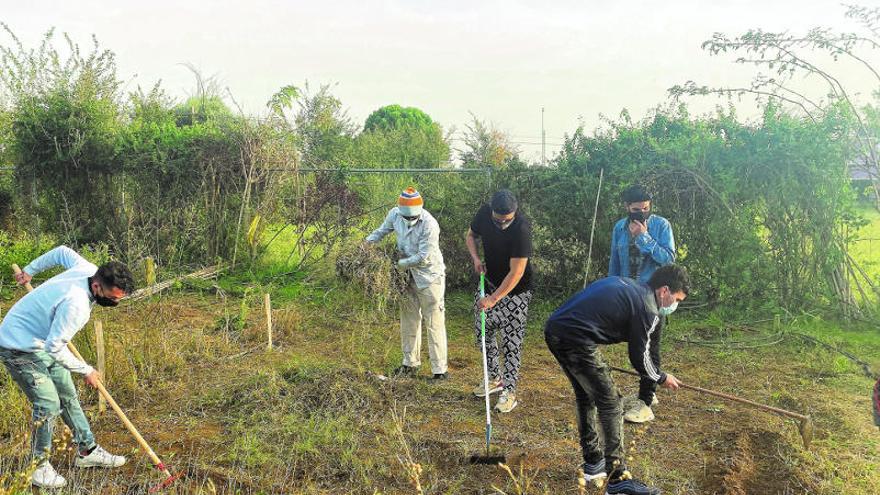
(134, 432)
(733, 398)
(104, 393)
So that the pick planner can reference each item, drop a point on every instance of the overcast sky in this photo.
(501, 60)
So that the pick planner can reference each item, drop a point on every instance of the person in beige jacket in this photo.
(422, 304)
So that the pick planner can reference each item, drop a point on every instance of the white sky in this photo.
(501, 60)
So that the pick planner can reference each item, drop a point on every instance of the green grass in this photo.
(310, 416)
(866, 248)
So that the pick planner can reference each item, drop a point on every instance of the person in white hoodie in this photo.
(33, 348)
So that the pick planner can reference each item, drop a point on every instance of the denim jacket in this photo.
(657, 247)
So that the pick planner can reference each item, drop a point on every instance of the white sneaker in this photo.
(46, 477)
(495, 386)
(631, 399)
(99, 458)
(506, 402)
(638, 413)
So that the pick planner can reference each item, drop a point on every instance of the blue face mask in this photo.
(669, 309)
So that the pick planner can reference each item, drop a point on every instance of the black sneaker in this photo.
(627, 485)
(404, 370)
(595, 471)
(440, 376)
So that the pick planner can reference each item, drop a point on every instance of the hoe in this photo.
(805, 423)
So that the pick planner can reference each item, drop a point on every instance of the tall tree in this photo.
(486, 146)
(402, 137)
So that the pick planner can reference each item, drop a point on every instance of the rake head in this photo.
(168, 481)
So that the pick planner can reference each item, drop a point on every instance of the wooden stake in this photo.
(150, 271)
(99, 347)
(267, 305)
(593, 229)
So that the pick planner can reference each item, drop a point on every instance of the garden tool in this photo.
(805, 422)
(488, 458)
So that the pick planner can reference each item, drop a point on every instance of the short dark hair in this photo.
(673, 276)
(503, 202)
(115, 274)
(635, 194)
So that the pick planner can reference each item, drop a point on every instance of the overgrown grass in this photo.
(311, 416)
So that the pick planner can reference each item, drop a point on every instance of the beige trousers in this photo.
(424, 308)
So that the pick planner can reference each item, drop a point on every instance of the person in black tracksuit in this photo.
(610, 311)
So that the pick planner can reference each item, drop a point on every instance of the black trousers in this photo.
(597, 400)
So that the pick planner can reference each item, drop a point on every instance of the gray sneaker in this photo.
(638, 413)
(506, 402)
(495, 386)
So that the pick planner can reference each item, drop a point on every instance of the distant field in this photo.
(866, 250)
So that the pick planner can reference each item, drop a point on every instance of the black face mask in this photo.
(106, 301)
(103, 300)
(639, 216)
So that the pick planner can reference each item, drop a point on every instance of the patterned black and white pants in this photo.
(508, 318)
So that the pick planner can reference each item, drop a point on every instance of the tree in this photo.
(782, 57)
(65, 121)
(486, 146)
(392, 117)
(326, 132)
(399, 137)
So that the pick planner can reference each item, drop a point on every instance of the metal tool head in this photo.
(166, 482)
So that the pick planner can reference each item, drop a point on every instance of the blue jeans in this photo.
(50, 390)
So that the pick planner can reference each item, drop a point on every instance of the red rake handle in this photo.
(733, 398)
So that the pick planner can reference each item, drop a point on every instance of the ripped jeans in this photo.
(51, 392)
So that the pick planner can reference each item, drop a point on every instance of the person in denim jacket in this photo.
(640, 243)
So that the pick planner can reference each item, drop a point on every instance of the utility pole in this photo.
(543, 141)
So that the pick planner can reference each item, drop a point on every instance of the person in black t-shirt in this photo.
(506, 236)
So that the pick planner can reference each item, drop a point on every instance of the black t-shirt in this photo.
(501, 245)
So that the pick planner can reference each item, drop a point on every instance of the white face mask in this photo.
(668, 310)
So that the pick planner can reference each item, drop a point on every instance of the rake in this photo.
(488, 458)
